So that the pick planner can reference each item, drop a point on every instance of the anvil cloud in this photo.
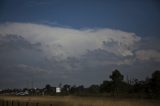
(70, 55)
(69, 42)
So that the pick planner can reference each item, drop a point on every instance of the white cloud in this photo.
(64, 42)
(145, 55)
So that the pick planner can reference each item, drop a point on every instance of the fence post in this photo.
(37, 104)
(6, 103)
(27, 103)
(12, 103)
(2, 102)
(18, 104)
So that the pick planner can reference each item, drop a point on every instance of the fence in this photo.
(20, 103)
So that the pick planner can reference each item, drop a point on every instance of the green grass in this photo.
(76, 101)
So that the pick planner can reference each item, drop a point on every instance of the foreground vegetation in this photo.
(116, 87)
(74, 101)
(115, 92)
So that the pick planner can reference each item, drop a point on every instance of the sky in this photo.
(77, 42)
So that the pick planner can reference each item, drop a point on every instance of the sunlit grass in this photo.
(77, 101)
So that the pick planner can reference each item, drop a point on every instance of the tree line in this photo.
(117, 87)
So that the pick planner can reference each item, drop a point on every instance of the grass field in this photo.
(73, 101)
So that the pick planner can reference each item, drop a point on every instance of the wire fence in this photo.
(20, 103)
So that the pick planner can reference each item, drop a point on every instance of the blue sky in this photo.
(74, 41)
(142, 17)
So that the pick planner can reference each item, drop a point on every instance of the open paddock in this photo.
(73, 101)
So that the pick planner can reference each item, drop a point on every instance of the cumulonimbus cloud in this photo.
(69, 42)
(146, 55)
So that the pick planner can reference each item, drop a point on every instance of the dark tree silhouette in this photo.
(117, 81)
(116, 76)
(94, 89)
(66, 89)
(148, 88)
(49, 90)
(106, 87)
(48, 86)
(155, 83)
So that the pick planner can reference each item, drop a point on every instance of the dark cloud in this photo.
(90, 59)
(15, 42)
(20, 60)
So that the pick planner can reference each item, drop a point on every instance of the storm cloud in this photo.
(60, 54)
(66, 42)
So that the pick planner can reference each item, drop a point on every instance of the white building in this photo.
(58, 89)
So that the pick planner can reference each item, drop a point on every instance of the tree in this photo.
(66, 89)
(117, 81)
(116, 76)
(94, 89)
(49, 90)
(48, 87)
(155, 83)
(80, 90)
(73, 89)
(105, 87)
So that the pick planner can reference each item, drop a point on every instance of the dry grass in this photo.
(78, 101)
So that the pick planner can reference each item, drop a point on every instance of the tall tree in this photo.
(155, 83)
(117, 81)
